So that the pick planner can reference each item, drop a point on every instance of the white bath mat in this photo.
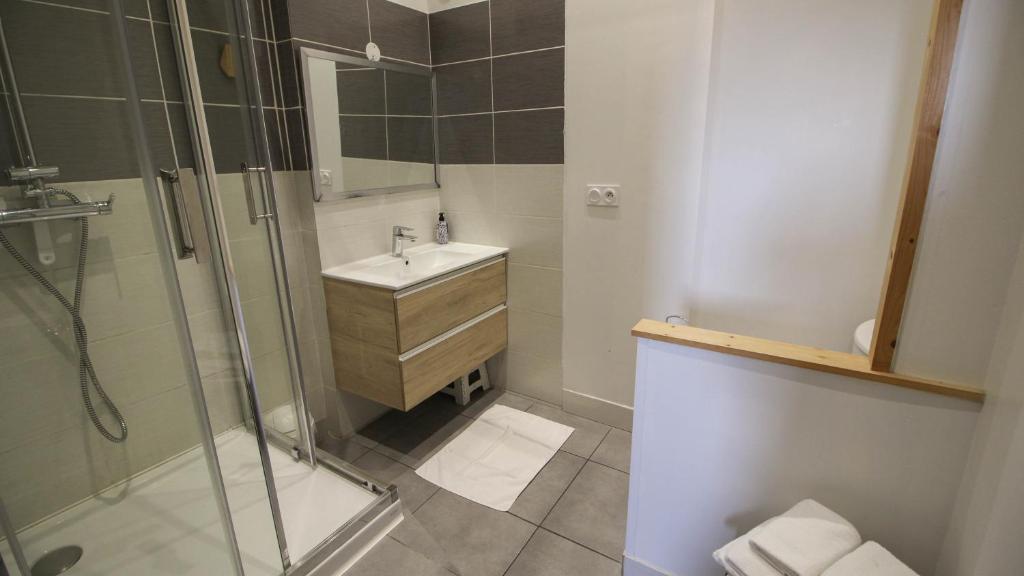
(494, 459)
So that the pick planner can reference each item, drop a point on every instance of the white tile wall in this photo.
(518, 206)
(335, 233)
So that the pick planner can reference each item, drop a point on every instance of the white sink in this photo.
(421, 263)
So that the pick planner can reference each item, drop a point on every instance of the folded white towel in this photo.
(806, 540)
(739, 559)
(869, 560)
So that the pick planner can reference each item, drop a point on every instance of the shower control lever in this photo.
(250, 201)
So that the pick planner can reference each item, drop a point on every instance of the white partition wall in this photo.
(721, 443)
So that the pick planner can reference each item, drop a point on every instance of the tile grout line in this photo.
(278, 89)
(471, 60)
(490, 52)
(520, 552)
(566, 489)
(163, 90)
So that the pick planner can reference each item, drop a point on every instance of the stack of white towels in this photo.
(808, 540)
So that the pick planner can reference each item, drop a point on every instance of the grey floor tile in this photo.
(614, 450)
(412, 490)
(387, 425)
(548, 554)
(413, 444)
(390, 557)
(495, 396)
(584, 439)
(547, 487)
(593, 510)
(348, 449)
(478, 541)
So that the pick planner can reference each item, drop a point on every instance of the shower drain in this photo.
(57, 561)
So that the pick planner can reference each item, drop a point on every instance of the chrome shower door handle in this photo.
(250, 200)
(186, 245)
(187, 212)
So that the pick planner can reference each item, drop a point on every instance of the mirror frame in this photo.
(314, 165)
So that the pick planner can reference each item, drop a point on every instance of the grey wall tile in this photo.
(361, 91)
(161, 150)
(364, 137)
(279, 22)
(168, 61)
(460, 33)
(531, 80)
(277, 156)
(464, 88)
(80, 57)
(409, 94)
(180, 134)
(534, 137)
(466, 139)
(229, 135)
(520, 25)
(217, 87)
(266, 68)
(295, 120)
(150, 9)
(288, 68)
(144, 60)
(8, 147)
(336, 22)
(400, 32)
(218, 16)
(411, 139)
(88, 139)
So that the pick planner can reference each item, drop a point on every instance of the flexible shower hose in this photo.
(86, 372)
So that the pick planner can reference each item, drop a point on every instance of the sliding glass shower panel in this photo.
(91, 314)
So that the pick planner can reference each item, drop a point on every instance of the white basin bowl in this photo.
(420, 264)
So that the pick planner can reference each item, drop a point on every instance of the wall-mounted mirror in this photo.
(372, 127)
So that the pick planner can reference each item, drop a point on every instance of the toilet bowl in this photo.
(862, 338)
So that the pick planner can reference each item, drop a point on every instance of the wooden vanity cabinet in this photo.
(400, 347)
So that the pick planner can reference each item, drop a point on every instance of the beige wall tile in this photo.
(263, 325)
(273, 379)
(343, 245)
(475, 228)
(536, 289)
(535, 376)
(529, 190)
(467, 188)
(535, 334)
(533, 241)
(224, 397)
(121, 295)
(254, 268)
(214, 341)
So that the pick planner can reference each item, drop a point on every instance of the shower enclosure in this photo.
(154, 417)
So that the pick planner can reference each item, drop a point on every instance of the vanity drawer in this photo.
(429, 311)
(433, 368)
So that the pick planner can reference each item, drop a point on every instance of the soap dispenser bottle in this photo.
(442, 229)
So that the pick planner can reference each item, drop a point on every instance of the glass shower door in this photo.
(246, 217)
(222, 92)
(107, 459)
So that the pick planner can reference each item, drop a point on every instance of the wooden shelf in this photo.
(795, 355)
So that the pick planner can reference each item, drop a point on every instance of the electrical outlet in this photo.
(326, 179)
(603, 195)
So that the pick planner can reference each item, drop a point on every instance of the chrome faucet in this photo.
(398, 234)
